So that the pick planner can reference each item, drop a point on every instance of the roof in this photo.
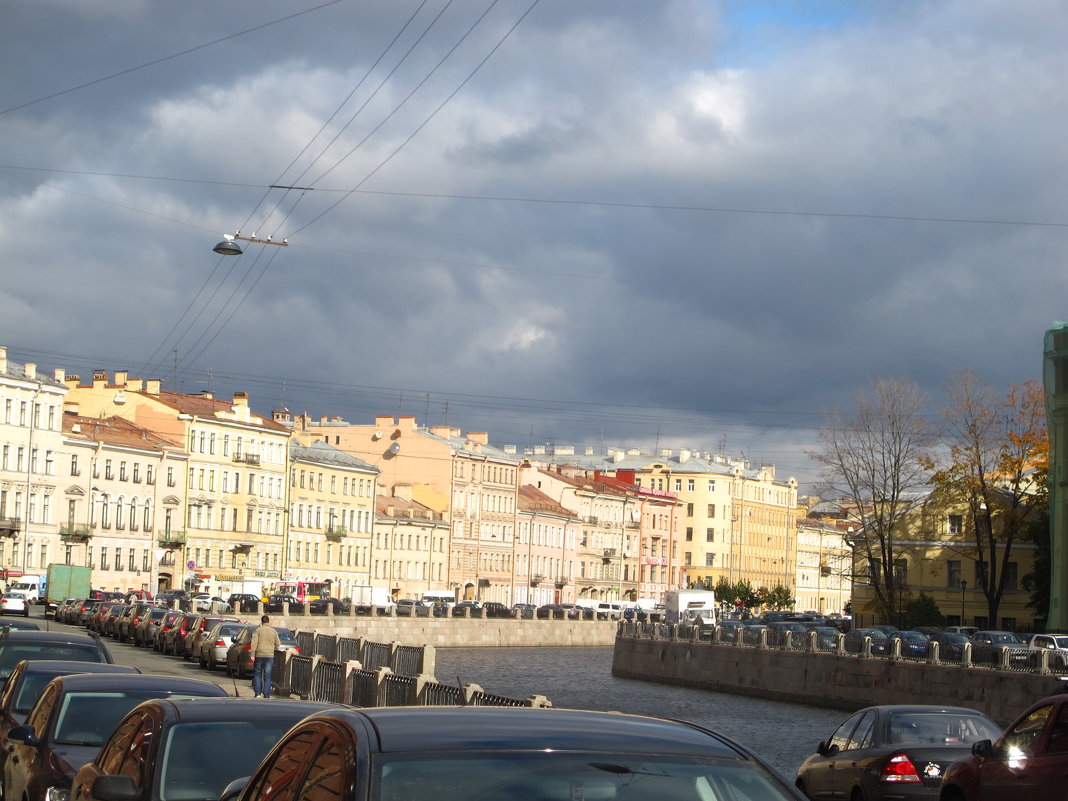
(323, 452)
(532, 499)
(146, 681)
(114, 431)
(420, 729)
(26, 635)
(61, 667)
(244, 709)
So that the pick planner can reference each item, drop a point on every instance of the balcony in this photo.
(535, 580)
(336, 533)
(75, 532)
(10, 526)
(562, 581)
(247, 458)
(171, 539)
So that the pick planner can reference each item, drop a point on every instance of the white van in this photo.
(434, 597)
(30, 586)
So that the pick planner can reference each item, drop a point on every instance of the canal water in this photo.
(783, 734)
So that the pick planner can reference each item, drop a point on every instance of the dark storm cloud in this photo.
(685, 304)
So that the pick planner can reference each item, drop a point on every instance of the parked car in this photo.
(209, 603)
(174, 639)
(410, 607)
(495, 609)
(913, 643)
(986, 647)
(826, 637)
(1057, 643)
(950, 644)
(65, 609)
(19, 624)
(169, 749)
(95, 620)
(14, 603)
(467, 609)
(18, 645)
(891, 752)
(239, 659)
(885, 628)
(275, 605)
(553, 611)
(129, 620)
(165, 624)
(854, 638)
(966, 630)
(145, 631)
(524, 610)
(213, 646)
(336, 605)
(200, 629)
(414, 752)
(109, 623)
(72, 718)
(244, 602)
(1027, 762)
(28, 680)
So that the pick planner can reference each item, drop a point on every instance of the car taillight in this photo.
(248, 646)
(899, 768)
(219, 643)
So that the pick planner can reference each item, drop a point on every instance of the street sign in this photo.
(190, 564)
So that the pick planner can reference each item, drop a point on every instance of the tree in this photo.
(923, 611)
(877, 457)
(779, 597)
(998, 457)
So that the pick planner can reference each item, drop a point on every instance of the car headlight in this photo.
(57, 794)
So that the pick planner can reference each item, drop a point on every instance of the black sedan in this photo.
(18, 645)
(186, 748)
(72, 718)
(505, 754)
(893, 752)
(335, 606)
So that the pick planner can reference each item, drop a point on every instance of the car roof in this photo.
(421, 729)
(919, 708)
(238, 709)
(59, 667)
(25, 635)
(148, 681)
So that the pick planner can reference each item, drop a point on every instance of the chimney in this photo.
(100, 378)
(3, 359)
(241, 399)
(120, 377)
(60, 375)
(152, 386)
(403, 492)
(589, 450)
(29, 370)
(684, 456)
(135, 385)
(441, 431)
(207, 394)
(383, 422)
(70, 407)
(478, 437)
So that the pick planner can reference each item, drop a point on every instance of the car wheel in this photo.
(26, 612)
(212, 665)
(857, 795)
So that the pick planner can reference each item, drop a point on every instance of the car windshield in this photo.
(955, 639)
(1060, 642)
(285, 635)
(589, 777)
(1004, 638)
(88, 718)
(943, 728)
(875, 634)
(30, 688)
(11, 655)
(195, 768)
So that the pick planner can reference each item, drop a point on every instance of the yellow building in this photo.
(935, 554)
(236, 477)
(479, 481)
(331, 517)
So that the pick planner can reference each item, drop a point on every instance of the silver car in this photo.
(214, 645)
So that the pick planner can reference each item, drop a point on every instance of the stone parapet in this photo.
(829, 679)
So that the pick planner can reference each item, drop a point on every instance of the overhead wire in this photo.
(170, 57)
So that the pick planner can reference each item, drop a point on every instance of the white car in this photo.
(14, 603)
(209, 603)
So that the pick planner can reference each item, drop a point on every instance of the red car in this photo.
(1028, 762)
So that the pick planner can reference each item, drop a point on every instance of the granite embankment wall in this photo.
(457, 632)
(846, 682)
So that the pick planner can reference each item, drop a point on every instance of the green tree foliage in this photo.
(923, 611)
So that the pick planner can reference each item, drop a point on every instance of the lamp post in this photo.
(963, 587)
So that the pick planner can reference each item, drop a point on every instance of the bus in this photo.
(303, 590)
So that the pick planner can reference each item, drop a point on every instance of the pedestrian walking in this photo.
(265, 642)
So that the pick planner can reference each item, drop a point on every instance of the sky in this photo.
(608, 223)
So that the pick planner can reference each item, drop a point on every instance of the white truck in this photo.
(686, 606)
(367, 596)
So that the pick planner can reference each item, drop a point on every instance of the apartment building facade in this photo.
(31, 434)
(546, 550)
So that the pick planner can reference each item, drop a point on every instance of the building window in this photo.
(956, 524)
(686, 558)
(689, 510)
(74, 471)
(1011, 580)
(980, 574)
(689, 485)
(710, 560)
(710, 535)
(689, 534)
(953, 573)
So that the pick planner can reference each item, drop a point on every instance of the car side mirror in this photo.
(115, 788)
(234, 789)
(826, 749)
(24, 734)
(983, 748)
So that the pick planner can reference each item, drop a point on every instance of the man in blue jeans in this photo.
(265, 642)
